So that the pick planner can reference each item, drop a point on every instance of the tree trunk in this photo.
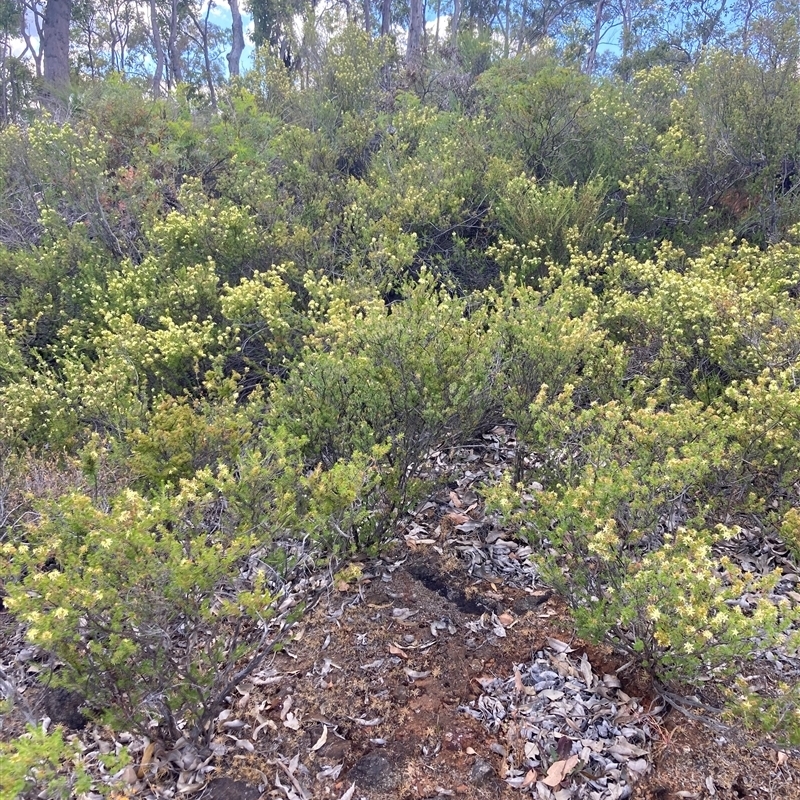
(55, 42)
(237, 46)
(368, 16)
(158, 48)
(455, 21)
(415, 25)
(507, 31)
(591, 56)
(386, 17)
(5, 81)
(176, 73)
(627, 28)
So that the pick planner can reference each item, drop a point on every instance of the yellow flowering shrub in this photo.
(118, 595)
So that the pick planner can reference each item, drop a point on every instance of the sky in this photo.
(221, 16)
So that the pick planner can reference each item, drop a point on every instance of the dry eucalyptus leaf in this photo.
(529, 779)
(638, 768)
(396, 650)
(129, 775)
(349, 793)
(611, 681)
(586, 671)
(559, 771)
(147, 757)
(322, 739)
(287, 704)
(291, 722)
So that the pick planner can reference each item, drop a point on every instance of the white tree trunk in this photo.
(237, 46)
(155, 31)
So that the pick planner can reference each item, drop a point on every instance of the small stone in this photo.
(482, 772)
(64, 708)
(377, 772)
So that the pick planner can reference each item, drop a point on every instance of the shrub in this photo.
(549, 339)
(41, 764)
(626, 533)
(409, 377)
(140, 603)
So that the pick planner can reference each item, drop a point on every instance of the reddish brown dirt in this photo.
(417, 743)
(431, 748)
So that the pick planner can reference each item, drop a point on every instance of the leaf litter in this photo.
(448, 657)
(567, 734)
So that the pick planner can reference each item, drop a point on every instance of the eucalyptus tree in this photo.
(273, 25)
(234, 57)
(55, 42)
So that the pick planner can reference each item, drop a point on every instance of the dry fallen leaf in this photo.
(586, 671)
(415, 675)
(529, 778)
(291, 722)
(349, 793)
(611, 681)
(396, 650)
(129, 775)
(287, 704)
(519, 686)
(322, 739)
(189, 788)
(638, 768)
(147, 757)
(559, 771)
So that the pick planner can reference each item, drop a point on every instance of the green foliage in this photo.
(40, 763)
(777, 715)
(180, 440)
(351, 75)
(670, 412)
(404, 378)
(251, 327)
(541, 109)
(548, 218)
(626, 527)
(127, 600)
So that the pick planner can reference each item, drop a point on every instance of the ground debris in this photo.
(565, 731)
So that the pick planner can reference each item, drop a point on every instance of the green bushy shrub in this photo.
(139, 602)
(408, 378)
(41, 764)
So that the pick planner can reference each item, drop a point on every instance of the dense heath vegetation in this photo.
(235, 323)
